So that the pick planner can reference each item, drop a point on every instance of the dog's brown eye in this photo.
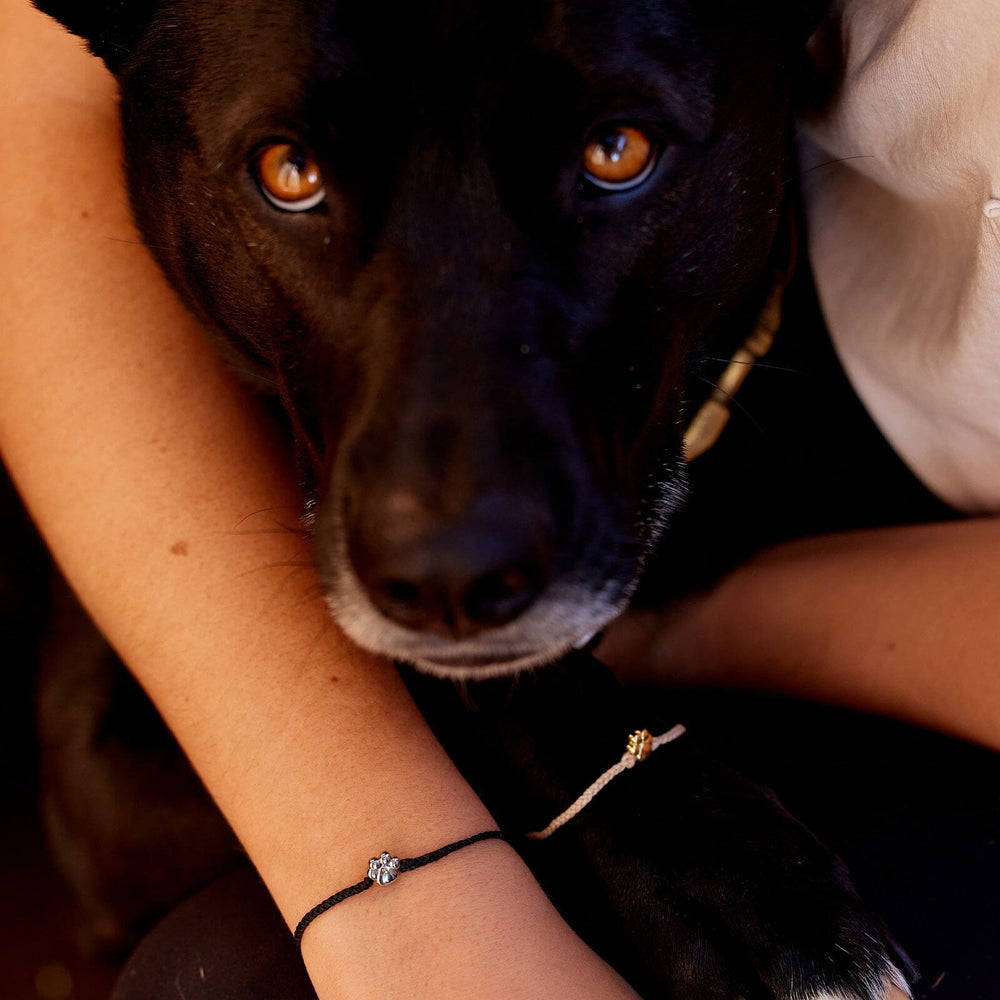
(289, 177)
(619, 158)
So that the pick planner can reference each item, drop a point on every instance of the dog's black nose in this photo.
(457, 575)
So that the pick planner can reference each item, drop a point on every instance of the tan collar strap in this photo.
(710, 421)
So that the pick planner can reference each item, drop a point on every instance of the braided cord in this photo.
(408, 864)
(629, 760)
(329, 903)
(405, 865)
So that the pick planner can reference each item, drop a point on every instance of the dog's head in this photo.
(477, 246)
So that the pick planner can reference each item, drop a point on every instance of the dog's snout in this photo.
(453, 575)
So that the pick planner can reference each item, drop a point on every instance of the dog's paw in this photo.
(716, 893)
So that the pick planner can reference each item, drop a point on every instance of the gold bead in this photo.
(640, 744)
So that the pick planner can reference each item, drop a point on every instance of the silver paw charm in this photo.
(383, 869)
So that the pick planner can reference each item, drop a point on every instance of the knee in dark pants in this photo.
(227, 942)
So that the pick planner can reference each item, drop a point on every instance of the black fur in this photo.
(111, 28)
(487, 361)
(460, 256)
(682, 873)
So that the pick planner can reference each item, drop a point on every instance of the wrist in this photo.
(683, 642)
(474, 923)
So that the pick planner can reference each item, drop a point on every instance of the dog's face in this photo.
(477, 247)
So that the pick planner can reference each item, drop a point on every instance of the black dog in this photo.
(479, 250)
(477, 255)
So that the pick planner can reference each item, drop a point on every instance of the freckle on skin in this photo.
(891, 645)
(334, 680)
(179, 548)
(85, 214)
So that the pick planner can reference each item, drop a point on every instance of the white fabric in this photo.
(905, 232)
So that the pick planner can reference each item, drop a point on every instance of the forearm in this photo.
(165, 498)
(898, 621)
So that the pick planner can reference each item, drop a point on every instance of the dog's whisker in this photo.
(799, 174)
(464, 694)
(754, 364)
(295, 566)
(265, 510)
(275, 529)
(310, 594)
(142, 243)
(733, 402)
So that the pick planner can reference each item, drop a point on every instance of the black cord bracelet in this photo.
(383, 870)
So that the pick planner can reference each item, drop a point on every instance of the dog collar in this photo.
(710, 421)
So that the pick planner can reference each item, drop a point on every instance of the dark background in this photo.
(39, 959)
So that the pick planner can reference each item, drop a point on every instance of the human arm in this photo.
(898, 621)
(160, 489)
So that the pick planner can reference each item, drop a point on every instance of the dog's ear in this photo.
(111, 28)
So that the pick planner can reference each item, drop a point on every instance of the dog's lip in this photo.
(509, 657)
(484, 660)
(483, 666)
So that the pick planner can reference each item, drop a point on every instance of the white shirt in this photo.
(905, 233)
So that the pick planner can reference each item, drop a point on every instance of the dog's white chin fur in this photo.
(880, 990)
(564, 620)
